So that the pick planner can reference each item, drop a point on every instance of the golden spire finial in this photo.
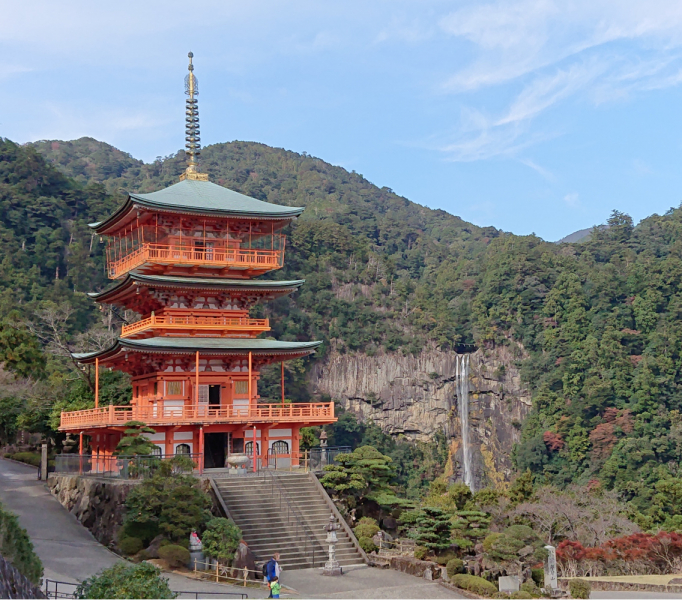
(193, 145)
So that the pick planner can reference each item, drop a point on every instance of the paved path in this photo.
(626, 595)
(68, 550)
(364, 582)
(70, 553)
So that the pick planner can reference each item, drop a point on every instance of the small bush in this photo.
(30, 458)
(420, 553)
(7, 455)
(145, 531)
(538, 576)
(366, 527)
(579, 588)
(444, 558)
(454, 567)
(130, 545)
(474, 584)
(530, 589)
(126, 581)
(521, 595)
(367, 544)
(176, 556)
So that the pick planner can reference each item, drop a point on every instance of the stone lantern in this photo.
(332, 566)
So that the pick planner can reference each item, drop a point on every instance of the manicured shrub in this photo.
(420, 553)
(176, 556)
(130, 545)
(367, 544)
(579, 588)
(146, 531)
(220, 540)
(125, 581)
(538, 576)
(474, 584)
(366, 527)
(531, 589)
(175, 503)
(443, 558)
(454, 567)
(30, 458)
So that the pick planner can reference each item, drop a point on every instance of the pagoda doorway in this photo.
(215, 445)
(214, 396)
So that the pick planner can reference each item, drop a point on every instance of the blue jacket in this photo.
(270, 569)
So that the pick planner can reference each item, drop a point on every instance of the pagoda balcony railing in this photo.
(264, 260)
(116, 416)
(209, 324)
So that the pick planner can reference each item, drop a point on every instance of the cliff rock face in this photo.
(416, 396)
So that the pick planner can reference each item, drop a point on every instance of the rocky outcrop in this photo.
(97, 504)
(416, 396)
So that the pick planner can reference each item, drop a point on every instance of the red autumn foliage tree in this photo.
(553, 441)
(637, 553)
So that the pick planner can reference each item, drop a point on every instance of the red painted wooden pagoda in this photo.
(184, 259)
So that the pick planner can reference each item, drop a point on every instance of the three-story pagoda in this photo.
(184, 258)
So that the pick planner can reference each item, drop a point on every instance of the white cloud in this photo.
(572, 200)
(535, 54)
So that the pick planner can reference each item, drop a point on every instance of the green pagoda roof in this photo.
(161, 281)
(189, 345)
(200, 197)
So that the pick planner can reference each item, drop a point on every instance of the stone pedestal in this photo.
(197, 560)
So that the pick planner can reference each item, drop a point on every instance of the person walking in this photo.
(272, 571)
(275, 588)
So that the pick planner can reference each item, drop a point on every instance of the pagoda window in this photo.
(156, 451)
(156, 389)
(183, 449)
(248, 448)
(241, 388)
(280, 447)
(175, 388)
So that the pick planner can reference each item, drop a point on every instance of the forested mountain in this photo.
(598, 320)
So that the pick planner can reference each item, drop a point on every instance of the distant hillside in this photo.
(576, 236)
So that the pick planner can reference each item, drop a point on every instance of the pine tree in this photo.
(433, 529)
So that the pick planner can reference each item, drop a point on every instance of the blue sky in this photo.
(530, 115)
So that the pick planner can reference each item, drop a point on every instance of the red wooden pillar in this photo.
(201, 450)
(282, 363)
(255, 445)
(97, 383)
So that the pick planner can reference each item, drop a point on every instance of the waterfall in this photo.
(463, 405)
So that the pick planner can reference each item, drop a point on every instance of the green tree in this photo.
(134, 442)
(433, 529)
(221, 539)
(170, 503)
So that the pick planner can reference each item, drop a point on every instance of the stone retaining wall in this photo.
(623, 586)
(14, 585)
(97, 503)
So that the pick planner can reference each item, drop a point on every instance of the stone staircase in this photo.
(286, 513)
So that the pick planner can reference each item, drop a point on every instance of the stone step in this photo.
(259, 508)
